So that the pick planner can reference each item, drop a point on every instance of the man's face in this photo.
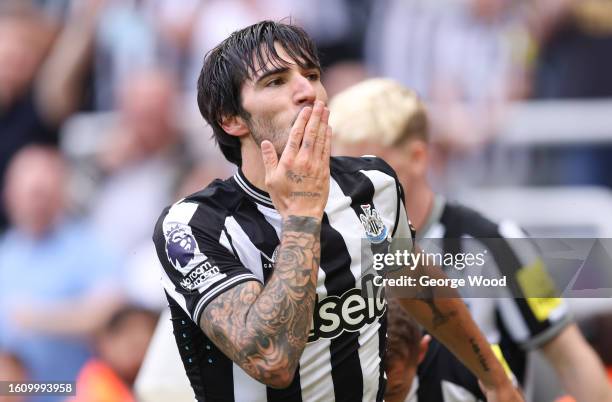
(274, 99)
(147, 107)
(400, 375)
(35, 192)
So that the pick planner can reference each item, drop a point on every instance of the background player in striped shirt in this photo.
(390, 121)
(263, 270)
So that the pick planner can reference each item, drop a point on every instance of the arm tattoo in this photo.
(439, 318)
(264, 329)
(481, 359)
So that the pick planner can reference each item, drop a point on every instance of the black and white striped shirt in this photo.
(228, 233)
(514, 324)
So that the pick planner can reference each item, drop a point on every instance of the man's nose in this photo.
(304, 91)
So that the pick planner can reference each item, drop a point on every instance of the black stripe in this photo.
(263, 236)
(344, 349)
(441, 365)
(261, 233)
(400, 202)
(201, 359)
(293, 393)
(231, 242)
(212, 362)
(459, 220)
(361, 190)
(514, 355)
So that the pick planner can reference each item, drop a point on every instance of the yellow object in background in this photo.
(539, 289)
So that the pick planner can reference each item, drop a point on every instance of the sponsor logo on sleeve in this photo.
(202, 277)
(181, 247)
(185, 256)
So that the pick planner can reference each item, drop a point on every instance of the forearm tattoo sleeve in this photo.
(264, 328)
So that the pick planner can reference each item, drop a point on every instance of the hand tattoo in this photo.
(294, 177)
(304, 194)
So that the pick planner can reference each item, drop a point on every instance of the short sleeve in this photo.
(538, 314)
(196, 256)
(404, 234)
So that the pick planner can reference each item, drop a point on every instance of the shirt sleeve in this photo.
(404, 234)
(537, 314)
(197, 257)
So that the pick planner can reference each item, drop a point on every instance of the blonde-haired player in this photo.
(381, 117)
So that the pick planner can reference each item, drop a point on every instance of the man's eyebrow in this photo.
(277, 70)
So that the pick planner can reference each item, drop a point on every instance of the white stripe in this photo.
(248, 254)
(273, 218)
(217, 291)
(403, 229)
(524, 249)
(454, 392)
(250, 191)
(315, 372)
(224, 241)
(246, 388)
(180, 213)
(369, 358)
(385, 202)
(170, 288)
(315, 364)
(436, 231)
(513, 318)
(385, 196)
(343, 219)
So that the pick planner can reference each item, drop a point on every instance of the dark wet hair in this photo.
(235, 60)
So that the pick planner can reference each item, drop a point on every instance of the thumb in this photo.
(268, 154)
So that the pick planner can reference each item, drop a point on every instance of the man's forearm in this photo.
(448, 319)
(60, 83)
(268, 329)
(580, 370)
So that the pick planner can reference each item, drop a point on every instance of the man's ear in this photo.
(423, 346)
(419, 157)
(234, 125)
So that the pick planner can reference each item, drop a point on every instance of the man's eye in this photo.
(275, 82)
(313, 76)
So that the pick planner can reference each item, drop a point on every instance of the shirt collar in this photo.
(257, 195)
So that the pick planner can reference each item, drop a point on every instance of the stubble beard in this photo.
(265, 129)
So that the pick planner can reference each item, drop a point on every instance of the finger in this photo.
(327, 147)
(296, 134)
(268, 154)
(319, 143)
(310, 133)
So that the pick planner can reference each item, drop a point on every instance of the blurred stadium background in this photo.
(98, 97)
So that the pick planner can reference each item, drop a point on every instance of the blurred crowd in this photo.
(99, 131)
